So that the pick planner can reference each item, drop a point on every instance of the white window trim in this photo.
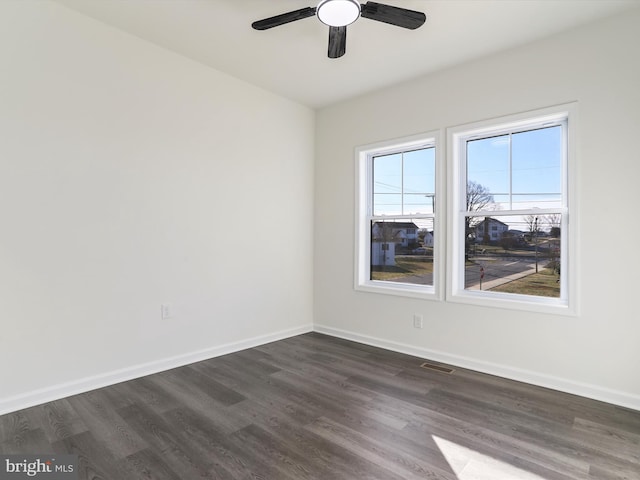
(364, 206)
(456, 138)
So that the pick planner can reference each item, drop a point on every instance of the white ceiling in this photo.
(291, 60)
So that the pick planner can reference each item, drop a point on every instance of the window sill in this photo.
(512, 301)
(398, 289)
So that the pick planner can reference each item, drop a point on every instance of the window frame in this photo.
(364, 216)
(457, 211)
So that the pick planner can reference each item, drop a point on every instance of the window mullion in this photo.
(402, 183)
(510, 171)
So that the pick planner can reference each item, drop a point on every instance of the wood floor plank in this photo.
(609, 439)
(205, 439)
(58, 420)
(325, 459)
(492, 438)
(315, 366)
(193, 397)
(395, 436)
(261, 362)
(459, 442)
(393, 387)
(146, 464)
(394, 464)
(14, 425)
(299, 405)
(94, 461)
(219, 392)
(598, 472)
(28, 442)
(170, 442)
(142, 390)
(315, 407)
(332, 390)
(283, 462)
(100, 416)
(499, 392)
(539, 436)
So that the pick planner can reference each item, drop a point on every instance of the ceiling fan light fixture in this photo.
(338, 13)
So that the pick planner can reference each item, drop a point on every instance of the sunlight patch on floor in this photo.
(469, 464)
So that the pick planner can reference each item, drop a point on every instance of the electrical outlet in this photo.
(417, 321)
(165, 308)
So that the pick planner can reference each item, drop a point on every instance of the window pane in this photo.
(419, 181)
(488, 164)
(418, 203)
(387, 204)
(387, 184)
(544, 200)
(513, 254)
(501, 202)
(404, 183)
(536, 157)
(402, 251)
(518, 171)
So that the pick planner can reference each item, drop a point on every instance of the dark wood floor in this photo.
(317, 407)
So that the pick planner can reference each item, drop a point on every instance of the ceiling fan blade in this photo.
(288, 17)
(337, 41)
(401, 17)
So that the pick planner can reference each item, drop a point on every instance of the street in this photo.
(498, 270)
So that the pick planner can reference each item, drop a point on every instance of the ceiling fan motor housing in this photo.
(338, 13)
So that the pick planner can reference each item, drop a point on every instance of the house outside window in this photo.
(397, 240)
(510, 198)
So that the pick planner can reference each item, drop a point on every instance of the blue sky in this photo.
(522, 171)
(524, 168)
(412, 173)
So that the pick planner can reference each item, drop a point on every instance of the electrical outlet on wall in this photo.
(165, 309)
(417, 321)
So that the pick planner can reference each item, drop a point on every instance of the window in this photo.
(397, 229)
(509, 237)
(510, 216)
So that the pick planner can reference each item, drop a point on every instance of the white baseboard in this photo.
(594, 392)
(56, 392)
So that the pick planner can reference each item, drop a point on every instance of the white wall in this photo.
(131, 177)
(595, 354)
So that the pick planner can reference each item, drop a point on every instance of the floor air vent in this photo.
(437, 368)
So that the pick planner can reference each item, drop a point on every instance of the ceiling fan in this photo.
(337, 14)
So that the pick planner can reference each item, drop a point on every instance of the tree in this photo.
(508, 240)
(478, 198)
(553, 220)
(533, 223)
